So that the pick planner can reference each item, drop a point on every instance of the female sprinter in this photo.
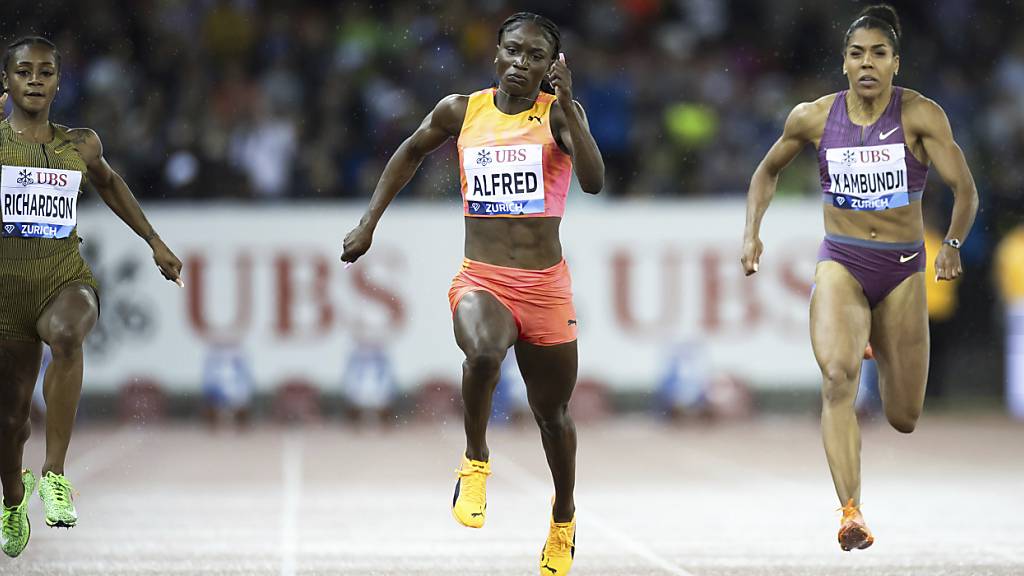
(517, 149)
(875, 142)
(47, 291)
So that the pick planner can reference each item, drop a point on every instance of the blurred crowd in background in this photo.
(269, 101)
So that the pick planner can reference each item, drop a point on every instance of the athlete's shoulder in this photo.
(86, 141)
(919, 110)
(450, 111)
(808, 118)
(914, 101)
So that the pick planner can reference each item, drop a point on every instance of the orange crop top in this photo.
(510, 164)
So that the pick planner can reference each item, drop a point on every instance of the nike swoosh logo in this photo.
(885, 135)
(908, 258)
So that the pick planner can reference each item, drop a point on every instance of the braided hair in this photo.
(30, 41)
(549, 28)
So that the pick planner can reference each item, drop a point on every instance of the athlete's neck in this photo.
(512, 104)
(866, 111)
(34, 127)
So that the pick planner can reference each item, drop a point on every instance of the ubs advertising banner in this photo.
(651, 282)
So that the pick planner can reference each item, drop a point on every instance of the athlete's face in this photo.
(869, 62)
(524, 56)
(31, 77)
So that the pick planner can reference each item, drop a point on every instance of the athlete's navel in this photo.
(874, 233)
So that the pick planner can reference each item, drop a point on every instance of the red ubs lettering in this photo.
(51, 179)
(510, 155)
(872, 156)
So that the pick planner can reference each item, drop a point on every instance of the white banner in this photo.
(653, 283)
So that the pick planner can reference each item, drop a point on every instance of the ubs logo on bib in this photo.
(866, 156)
(26, 178)
(840, 200)
(9, 228)
(483, 158)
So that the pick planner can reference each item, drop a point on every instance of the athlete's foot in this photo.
(853, 531)
(556, 558)
(469, 505)
(56, 493)
(14, 525)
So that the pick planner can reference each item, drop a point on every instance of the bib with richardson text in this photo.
(504, 180)
(39, 202)
(868, 177)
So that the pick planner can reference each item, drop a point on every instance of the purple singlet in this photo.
(868, 167)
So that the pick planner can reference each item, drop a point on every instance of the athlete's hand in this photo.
(167, 262)
(561, 80)
(752, 249)
(356, 243)
(947, 264)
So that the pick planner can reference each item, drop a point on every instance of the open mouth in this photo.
(868, 81)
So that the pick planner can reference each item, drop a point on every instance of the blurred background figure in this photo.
(1009, 269)
(683, 392)
(228, 386)
(509, 405)
(368, 384)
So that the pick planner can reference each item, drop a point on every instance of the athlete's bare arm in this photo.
(442, 123)
(925, 120)
(569, 124)
(115, 192)
(804, 125)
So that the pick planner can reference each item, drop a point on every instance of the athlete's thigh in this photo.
(483, 323)
(73, 310)
(840, 319)
(549, 372)
(19, 366)
(899, 338)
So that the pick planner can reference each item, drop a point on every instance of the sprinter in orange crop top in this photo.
(518, 146)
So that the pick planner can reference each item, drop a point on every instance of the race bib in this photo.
(504, 180)
(868, 177)
(39, 202)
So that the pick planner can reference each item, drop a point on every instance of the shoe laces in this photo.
(559, 542)
(850, 510)
(473, 483)
(11, 526)
(61, 487)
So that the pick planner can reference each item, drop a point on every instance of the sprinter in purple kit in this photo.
(875, 142)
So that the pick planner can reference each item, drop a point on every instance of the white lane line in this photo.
(291, 473)
(527, 482)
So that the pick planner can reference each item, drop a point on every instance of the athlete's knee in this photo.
(838, 385)
(65, 340)
(14, 424)
(484, 362)
(903, 419)
(554, 419)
